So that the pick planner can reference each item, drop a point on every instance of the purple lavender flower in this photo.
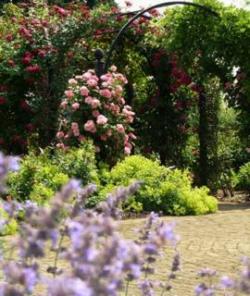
(226, 282)
(207, 272)
(146, 288)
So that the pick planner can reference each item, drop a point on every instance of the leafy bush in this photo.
(10, 227)
(243, 177)
(164, 189)
(40, 176)
(78, 163)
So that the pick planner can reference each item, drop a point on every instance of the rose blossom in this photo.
(69, 93)
(127, 150)
(106, 93)
(63, 104)
(88, 100)
(87, 75)
(104, 137)
(118, 91)
(92, 82)
(132, 136)
(75, 106)
(72, 81)
(101, 119)
(60, 135)
(81, 138)
(109, 132)
(89, 126)
(113, 68)
(84, 91)
(95, 103)
(95, 113)
(120, 128)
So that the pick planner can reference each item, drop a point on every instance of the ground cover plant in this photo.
(166, 190)
(42, 173)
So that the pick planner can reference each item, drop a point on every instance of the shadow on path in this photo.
(224, 206)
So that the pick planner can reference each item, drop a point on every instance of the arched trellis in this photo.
(141, 13)
(102, 67)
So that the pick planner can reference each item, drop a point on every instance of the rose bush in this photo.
(95, 108)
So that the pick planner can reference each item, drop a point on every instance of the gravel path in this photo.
(217, 241)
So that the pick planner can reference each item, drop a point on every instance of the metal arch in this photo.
(140, 13)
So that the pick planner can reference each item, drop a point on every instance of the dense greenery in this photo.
(40, 176)
(164, 189)
(187, 82)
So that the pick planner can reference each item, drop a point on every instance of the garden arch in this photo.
(102, 67)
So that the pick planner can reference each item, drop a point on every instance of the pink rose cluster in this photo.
(95, 108)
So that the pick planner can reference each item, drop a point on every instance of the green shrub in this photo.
(243, 177)
(40, 176)
(164, 189)
(11, 227)
(78, 163)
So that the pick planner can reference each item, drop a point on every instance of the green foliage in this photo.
(11, 226)
(164, 190)
(40, 176)
(78, 163)
(38, 179)
(243, 177)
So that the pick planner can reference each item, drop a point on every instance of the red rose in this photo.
(25, 33)
(24, 105)
(9, 37)
(30, 127)
(33, 69)
(3, 101)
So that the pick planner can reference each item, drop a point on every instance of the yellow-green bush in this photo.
(167, 190)
(10, 227)
(40, 176)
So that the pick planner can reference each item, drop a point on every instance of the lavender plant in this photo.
(99, 260)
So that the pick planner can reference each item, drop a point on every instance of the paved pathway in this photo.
(216, 241)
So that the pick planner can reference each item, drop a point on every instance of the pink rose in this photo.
(101, 120)
(60, 135)
(95, 103)
(75, 106)
(87, 75)
(127, 150)
(89, 126)
(72, 81)
(122, 101)
(69, 93)
(106, 77)
(95, 113)
(104, 138)
(81, 138)
(114, 108)
(113, 68)
(118, 91)
(84, 91)
(132, 136)
(120, 128)
(88, 100)
(63, 104)
(92, 82)
(60, 145)
(109, 132)
(106, 93)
